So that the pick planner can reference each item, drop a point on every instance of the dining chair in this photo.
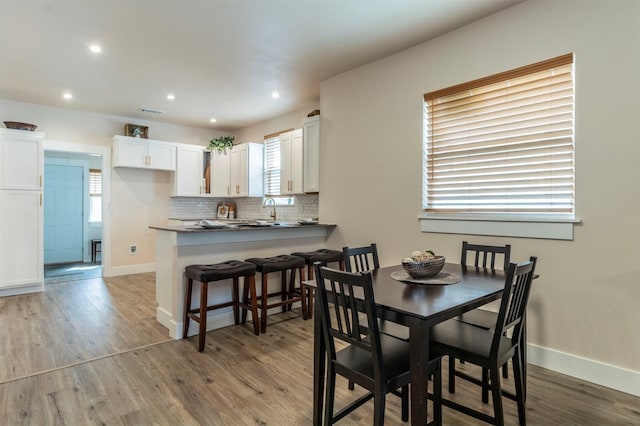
(358, 259)
(484, 257)
(491, 349)
(375, 361)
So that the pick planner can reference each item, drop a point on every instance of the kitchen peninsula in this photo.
(180, 246)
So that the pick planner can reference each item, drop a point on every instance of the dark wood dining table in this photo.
(419, 307)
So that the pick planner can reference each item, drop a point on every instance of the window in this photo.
(95, 195)
(503, 145)
(272, 168)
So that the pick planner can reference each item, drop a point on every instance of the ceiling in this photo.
(221, 59)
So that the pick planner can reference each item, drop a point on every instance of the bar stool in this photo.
(289, 294)
(323, 256)
(96, 247)
(231, 269)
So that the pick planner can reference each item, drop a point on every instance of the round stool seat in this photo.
(220, 271)
(277, 263)
(322, 255)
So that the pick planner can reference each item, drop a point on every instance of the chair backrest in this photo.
(483, 254)
(359, 259)
(514, 300)
(350, 294)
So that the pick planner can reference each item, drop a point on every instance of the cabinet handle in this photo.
(149, 157)
(40, 199)
(228, 190)
(40, 184)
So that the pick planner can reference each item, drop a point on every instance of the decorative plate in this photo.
(440, 279)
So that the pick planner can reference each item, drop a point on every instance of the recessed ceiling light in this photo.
(171, 97)
(213, 120)
(95, 48)
(67, 95)
(275, 95)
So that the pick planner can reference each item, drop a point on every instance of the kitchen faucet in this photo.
(264, 204)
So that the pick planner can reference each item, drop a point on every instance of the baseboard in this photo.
(116, 271)
(608, 375)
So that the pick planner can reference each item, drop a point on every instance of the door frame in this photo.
(105, 152)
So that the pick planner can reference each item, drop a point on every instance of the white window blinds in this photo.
(95, 195)
(504, 143)
(272, 166)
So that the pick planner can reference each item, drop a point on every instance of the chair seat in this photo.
(220, 271)
(480, 318)
(277, 263)
(323, 256)
(467, 342)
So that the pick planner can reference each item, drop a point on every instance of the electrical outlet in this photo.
(133, 249)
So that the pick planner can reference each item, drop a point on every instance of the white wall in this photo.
(139, 198)
(257, 132)
(584, 308)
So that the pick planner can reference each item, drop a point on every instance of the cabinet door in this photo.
(189, 174)
(21, 160)
(161, 156)
(21, 258)
(311, 155)
(220, 174)
(129, 152)
(291, 162)
(239, 171)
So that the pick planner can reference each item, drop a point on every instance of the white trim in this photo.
(116, 271)
(546, 228)
(600, 373)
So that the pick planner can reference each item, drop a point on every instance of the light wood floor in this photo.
(90, 352)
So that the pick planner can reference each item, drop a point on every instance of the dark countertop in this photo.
(239, 227)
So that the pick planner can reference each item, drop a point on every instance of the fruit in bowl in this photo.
(423, 264)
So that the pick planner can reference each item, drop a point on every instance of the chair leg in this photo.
(378, 408)
(519, 383)
(284, 292)
(351, 385)
(263, 303)
(505, 371)
(187, 308)
(452, 374)
(330, 389)
(254, 303)
(202, 333)
(245, 300)
(485, 385)
(496, 391)
(236, 301)
(404, 392)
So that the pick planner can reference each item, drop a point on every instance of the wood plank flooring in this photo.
(90, 352)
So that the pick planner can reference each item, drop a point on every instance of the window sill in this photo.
(552, 228)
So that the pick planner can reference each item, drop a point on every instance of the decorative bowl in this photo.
(20, 126)
(424, 268)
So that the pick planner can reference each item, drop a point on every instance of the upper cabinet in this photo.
(192, 171)
(220, 174)
(291, 162)
(143, 153)
(247, 170)
(311, 154)
(21, 159)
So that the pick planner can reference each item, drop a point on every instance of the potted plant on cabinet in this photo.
(221, 144)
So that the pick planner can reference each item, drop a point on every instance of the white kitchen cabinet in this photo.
(21, 212)
(220, 174)
(247, 168)
(143, 153)
(191, 169)
(291, 162)
(311, 154)
(21, 159)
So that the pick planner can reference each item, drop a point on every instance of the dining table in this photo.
(418, 306)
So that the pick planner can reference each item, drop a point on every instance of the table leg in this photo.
(319, 361)
(419, 344)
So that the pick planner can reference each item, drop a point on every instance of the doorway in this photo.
(95, 157)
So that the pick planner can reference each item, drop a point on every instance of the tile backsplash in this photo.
(305, 206)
